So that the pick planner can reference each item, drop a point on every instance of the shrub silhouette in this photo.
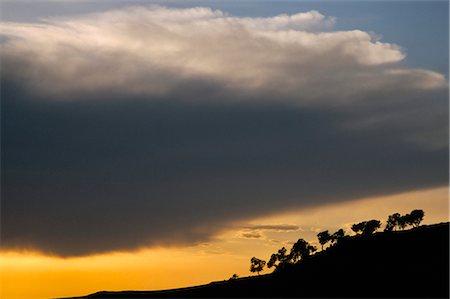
(256, 265)
(323, 237)
(234, 276)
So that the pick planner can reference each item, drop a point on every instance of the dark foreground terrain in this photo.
(408, 264)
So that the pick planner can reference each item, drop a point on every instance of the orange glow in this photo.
(36, 276)
(28, 275)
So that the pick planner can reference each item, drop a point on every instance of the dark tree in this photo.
(279, 257)
(414, 218)
(301, 250)
(323, 237)
(256, 265)
(366, 227)
(370, 227)
(392, 222)
(282, 256)
(272, 261)
(401, 223)
(359, 227)
(335, 237)
(234, 277)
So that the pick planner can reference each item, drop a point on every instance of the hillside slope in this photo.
(408, 264)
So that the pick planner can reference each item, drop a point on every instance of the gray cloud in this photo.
(257, 231)
(252, 235)
(94, 163)
(275, 227)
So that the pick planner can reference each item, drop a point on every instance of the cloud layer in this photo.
(153, 50)
(157, 126)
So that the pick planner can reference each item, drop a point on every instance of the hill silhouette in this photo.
(403, 264)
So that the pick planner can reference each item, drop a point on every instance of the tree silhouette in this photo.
(401, 223)
(366, 227)
(358, 227)
(280, 257)
(414, 218)
(323, 237)
(370, 227)
(301, 250)
(234, 277)
(256, 265)
(335, 237)
(273, 259)
(393, 222)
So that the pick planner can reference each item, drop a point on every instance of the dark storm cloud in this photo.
(126, 129)
(92, 175)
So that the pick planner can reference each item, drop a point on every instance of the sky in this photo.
(152, 145)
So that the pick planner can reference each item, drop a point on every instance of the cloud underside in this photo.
(156, 126)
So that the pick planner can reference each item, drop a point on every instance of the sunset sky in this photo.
(158, 144)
